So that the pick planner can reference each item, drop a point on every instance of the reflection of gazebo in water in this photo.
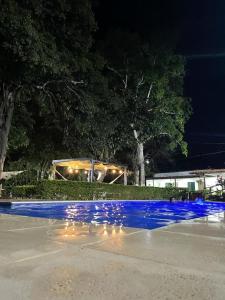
(89, 167)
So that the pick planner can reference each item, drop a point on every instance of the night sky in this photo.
(201, 38)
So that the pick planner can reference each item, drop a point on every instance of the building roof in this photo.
(188, 174)
(86, 164)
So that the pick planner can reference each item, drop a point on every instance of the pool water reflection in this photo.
(138, 214)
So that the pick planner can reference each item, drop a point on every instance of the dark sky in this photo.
(201, 31)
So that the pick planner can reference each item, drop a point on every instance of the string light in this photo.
(70, 170)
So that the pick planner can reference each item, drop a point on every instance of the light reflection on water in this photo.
(78, 230)
(139, 214)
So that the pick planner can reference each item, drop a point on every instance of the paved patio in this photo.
(52, 259)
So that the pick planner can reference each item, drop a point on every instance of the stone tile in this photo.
(85, 234)
(15, 222)
(14, 246)
(95, 275)
(23, 237)
(50, 259)
(211, 226)
(170, 248)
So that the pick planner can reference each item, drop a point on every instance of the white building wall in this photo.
(210, 181)
(183, 182)
(159, 182)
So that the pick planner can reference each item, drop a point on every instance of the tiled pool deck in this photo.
(42, 259)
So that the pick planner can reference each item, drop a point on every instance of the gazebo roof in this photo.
(86, 164)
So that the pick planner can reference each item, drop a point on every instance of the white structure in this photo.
(8, 175)
(195, 180)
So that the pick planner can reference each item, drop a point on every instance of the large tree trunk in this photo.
(140, 162)
(6, 112)
(136, 175)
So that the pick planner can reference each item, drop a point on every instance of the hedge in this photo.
(72, 190)
(24, 191)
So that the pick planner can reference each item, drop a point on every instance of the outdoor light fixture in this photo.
(114, 171)
(121, 172)
(76, 171)
(70, 170)
(85, 172)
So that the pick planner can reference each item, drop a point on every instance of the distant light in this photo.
(70, 170)
(121, 172)
(85, 172)
(114, 171)
(147, 161)
(76, 171)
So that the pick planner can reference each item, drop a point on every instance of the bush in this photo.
(72, 190)
(27, 178)
(24, 191)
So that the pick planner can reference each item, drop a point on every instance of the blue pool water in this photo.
(139, 214)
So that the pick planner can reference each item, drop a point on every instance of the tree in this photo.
(44, 44)
(149, 80)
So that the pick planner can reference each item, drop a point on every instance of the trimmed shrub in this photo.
(24, 191)
(72, 190)
(27, 178)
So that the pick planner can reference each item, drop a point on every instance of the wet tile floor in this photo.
(55, 259)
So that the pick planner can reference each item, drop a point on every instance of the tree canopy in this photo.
(44, 47)
(68, 92)
(148, 77)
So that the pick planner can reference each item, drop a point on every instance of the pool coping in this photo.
(83, 201)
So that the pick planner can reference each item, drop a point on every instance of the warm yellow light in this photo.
(113, 230)
(70, 170)
(121, 229)
(85, 172)
(106, 168)
(76, 171)
(114, 171)
(105, 232)
(121, 172)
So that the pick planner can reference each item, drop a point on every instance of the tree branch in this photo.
(42, 87)
(149, 92)
(167, 112)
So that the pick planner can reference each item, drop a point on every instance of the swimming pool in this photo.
(139, 214)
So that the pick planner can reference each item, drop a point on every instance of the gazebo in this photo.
(89, 166)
